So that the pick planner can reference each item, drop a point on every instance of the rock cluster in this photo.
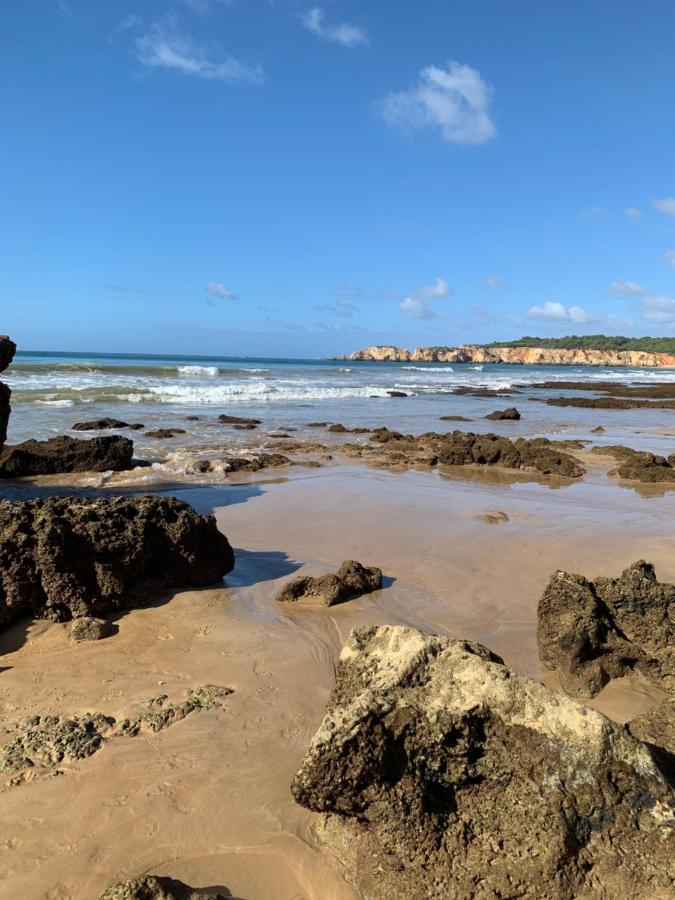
(66, 557)
(637, 465)
(156, 887)
(7, 351)
(105, 423)
(351, 580)
(111, 453)
(592, 631)
(442, 773)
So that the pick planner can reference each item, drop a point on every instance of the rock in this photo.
(238, 420)
(639, 466)
(256, 463)
(199, 467)
(461, 448)
(7, 351)
(351, 580)
(111, 453)
(495, 518)
(155, 887)
(397, 393)
(610, 403)
(440, 773)
(248, 427)
(598, 429)
(66, 557)
(337, 428)
(101, 424)
(316, 424)
(657, 729)
(192, 418)
(162, 434)
(510, 414)
(87, 628)
(454, 419)
(592, 631)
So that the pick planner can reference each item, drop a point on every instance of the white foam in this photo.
(203, 371)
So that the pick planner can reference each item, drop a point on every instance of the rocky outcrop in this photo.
(542, 356)
(238, 420)
(592, 631)
(441, 773)
(105, 423)
(156, 887)
(637, 465)
(351, 580)
(163, 434)
(7, 351)
(609, 403)
(66, 557)
(510, 414)
(111, 453)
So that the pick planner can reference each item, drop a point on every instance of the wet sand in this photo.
(208, 800)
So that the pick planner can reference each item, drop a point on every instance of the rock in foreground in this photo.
(155, 887)
(67, 557)
(7, 351)
(351, 580)
(444, 774)
(592, 631)
(66, 454)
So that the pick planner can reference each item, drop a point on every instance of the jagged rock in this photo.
(351, 580)
(657, 729)
(256, 463)
(87, 628)
(443, 774)
(66, 557)
(156, 887)
(238, 420)
(510, 414)
(598, 429)
(162, 434)
(111, 453)
(637, 465)
(7, 351)
(592, 631)
(102, 424)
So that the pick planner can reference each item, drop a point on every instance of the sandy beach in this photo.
(208, 800)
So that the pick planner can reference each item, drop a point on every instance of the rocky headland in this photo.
(522, 356)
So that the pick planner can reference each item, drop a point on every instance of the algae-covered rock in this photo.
(111, 453)
(351, 580)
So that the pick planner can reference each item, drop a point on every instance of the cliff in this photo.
(468, 353)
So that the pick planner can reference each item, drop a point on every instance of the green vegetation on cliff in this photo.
(594, 342)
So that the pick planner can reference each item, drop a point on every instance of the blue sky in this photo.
(277, 178)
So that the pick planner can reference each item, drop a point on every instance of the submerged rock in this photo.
(442, 773)
(637, 465)
(397, 393)
(510, 414)
(66, 557)
(592, 631)
(102, 424)
(238, 420)
(157, 887)
(162, 434)
(7, 351)
(255, 463)
(610, 403)
(64, 454)
(351, 580)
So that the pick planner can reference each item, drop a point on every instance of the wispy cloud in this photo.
(494, 284)
(633, 214)
(202, 7)
(219, 290)
(659, 310)
(629, 288)
(128, 23)
(165, 47)
(665, 205)
(341, 307)
(343, 33)
(454, 100)
(558, 312)
(669, 257)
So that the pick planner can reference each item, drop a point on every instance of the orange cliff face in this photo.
(519, 356)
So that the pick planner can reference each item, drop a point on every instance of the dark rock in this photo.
(87, 628)
(507, 415)
(162, 434)
(238, 420)
(610, 403)
(256, 463)
(638, 465)
(101, 424)
(351, 580)
(156, 887)
(337, 429)
(454, 419)
(397, 393)
(192, 418)
(462, 448)
(66, 557)
(111, 453)
(657, 729)
(441, 773)
(248, 427)
(484, 392)
(598, 429)
(316, 424)
(592, 631)
(199, 467)
(7, 351)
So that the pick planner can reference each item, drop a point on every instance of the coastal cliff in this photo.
(470, 353)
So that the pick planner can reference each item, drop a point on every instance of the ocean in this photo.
(51, 391)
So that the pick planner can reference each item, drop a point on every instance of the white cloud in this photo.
(493, 283)
(454, 100)
(633, 214)
(630, 288)
(339, 33)
(219, 290)
(659, 310)
(557, 312)
(418, 309)
(436, 291)
(165, 47)
(670, 257)
(665, 205)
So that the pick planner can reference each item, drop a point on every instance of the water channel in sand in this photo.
(208, 799)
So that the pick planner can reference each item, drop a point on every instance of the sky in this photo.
(275, 178)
